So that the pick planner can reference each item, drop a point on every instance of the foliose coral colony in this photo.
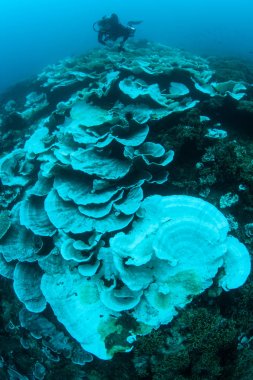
(84, 227)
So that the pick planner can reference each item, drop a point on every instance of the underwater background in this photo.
(126, 191)
(34, 34)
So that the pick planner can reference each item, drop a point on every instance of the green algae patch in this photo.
(88, 293)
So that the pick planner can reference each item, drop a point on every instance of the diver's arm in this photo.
(101, 35)
(122, 43)
(126, 36)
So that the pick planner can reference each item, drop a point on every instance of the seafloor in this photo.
(206, 119)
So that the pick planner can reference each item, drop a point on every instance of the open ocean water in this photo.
(34, 34)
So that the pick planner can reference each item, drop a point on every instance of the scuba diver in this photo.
(109, 29)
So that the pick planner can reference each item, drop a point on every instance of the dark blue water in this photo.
(36, 33)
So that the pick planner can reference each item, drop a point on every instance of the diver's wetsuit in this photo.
(110, 29)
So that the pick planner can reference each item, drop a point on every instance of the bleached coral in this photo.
(83, 236)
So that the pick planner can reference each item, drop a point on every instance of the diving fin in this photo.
(131, 23)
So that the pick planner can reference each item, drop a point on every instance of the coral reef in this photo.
(93, 150)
